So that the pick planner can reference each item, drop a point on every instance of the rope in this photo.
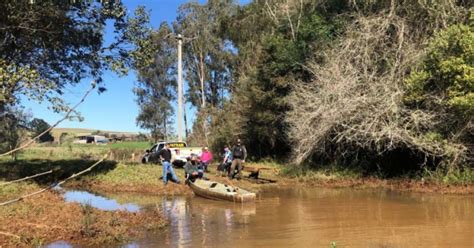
(26, 178)
(55, 184)
(50, 128)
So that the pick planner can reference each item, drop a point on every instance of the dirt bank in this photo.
(47, 217)
(145, 179)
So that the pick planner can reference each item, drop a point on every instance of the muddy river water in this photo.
(305, 217)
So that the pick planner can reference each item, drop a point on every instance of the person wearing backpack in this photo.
(239, 154)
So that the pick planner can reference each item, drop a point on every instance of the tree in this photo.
(38, 126)
(377, 97)
(274, 40)
(13, 128)
(445, 81)
(154, 60)
(47, 45)
(208, 56)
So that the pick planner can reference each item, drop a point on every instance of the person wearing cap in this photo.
(206, 158)
(239, 154)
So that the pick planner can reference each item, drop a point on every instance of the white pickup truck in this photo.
(179, 152)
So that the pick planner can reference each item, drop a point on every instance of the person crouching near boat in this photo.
(192, 169)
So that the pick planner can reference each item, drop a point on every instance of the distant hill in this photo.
(56, 132)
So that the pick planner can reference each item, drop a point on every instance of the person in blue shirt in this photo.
(226, 162)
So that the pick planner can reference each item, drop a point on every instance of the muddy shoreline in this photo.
(47, 218)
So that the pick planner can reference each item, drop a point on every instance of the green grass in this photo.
(324, 172)
(453, 176)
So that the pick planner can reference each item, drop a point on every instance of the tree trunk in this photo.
(201, 78)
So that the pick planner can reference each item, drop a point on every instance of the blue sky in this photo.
(115, 109)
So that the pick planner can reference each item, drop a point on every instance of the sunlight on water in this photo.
(98, 201)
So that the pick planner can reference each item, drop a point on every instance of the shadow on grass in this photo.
(11, 170)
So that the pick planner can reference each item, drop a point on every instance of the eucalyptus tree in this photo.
(154, 60)
(208, 56)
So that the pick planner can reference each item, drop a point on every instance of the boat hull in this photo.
(218, 191)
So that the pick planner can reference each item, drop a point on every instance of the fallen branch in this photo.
(26, 178)
(55, 184)
(53, 126)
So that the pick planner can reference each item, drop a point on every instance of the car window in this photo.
(160, 147)
(152, 149)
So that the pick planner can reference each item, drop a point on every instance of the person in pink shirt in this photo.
(206, 158)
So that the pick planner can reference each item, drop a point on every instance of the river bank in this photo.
(144, 179)
(47, 217)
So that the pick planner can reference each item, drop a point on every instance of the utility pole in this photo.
(180, 89)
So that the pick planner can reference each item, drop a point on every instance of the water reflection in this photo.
(312, 217)
(316, 217)
(199, 222)
(98, 201)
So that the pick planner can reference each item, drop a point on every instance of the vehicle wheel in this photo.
(144, 160)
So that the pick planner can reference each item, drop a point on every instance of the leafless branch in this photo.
(356, 98)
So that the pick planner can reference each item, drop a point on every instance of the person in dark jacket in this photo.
(192, 169)
(165, 156)
(239, 154)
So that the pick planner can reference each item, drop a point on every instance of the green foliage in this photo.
(13, 128)
(270, 60)
(207, 55)
(154, 60)
(460, 175)
(38, 126)
(47, 45)
(447, 76)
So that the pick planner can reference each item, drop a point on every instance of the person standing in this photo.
(165, 156)
(226, 163)
(239, 154)
(206, 158)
